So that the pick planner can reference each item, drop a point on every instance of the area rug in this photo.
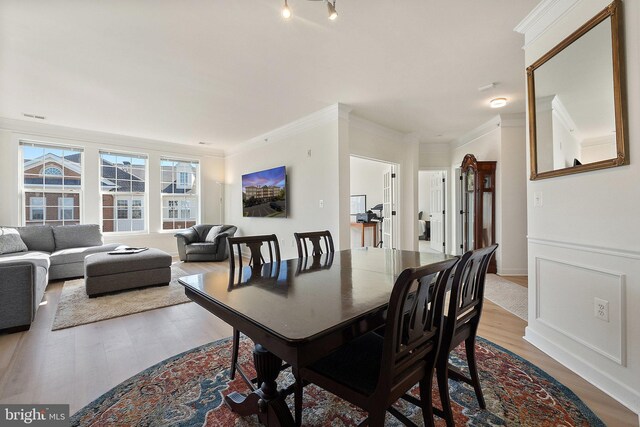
(508, 295)
(76, 308)
(189, 389)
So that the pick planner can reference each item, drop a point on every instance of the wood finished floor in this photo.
(79, 364)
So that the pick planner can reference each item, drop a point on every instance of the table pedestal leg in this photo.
(266, 402)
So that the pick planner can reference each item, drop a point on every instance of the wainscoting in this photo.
(565, 280)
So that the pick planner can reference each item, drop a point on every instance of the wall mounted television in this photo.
(264, 193)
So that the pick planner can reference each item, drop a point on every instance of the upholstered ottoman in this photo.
(104, 273)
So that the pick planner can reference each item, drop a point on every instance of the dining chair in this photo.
(256, 262)
(316, 239)
(461, 324)
(373, 371)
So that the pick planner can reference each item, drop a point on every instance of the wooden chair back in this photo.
(466, 298)
(256, 257)
(317, 239)
(413, 316)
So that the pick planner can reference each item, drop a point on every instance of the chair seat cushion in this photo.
(201, 248)
(355, 365)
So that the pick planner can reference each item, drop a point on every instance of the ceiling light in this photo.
(498, 102)
(286, 12)
(332, 10)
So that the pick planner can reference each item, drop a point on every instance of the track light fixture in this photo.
(286, 12)
(332, 10)
(331, 7)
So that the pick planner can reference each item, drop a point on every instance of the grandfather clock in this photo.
(478, 205)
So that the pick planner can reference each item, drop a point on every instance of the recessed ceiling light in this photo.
(498, 102)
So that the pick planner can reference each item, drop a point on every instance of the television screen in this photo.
(264, 193)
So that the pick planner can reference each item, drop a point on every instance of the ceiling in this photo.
(223, 72)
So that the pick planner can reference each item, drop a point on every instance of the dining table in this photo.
(300, 310)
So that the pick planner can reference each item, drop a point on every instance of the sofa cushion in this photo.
(213, 233)
(201, 248)
(77, 236)
(71, 255)
(10, 241)
(38, 238)
(104, 264)
(39, 259)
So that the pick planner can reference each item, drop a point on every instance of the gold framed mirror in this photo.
(576, 101)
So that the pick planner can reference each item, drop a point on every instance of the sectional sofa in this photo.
(52, 253)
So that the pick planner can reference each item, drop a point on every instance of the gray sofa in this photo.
(53, 253)
(193, 247)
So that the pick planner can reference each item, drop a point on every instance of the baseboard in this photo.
(609, 385)
(513, 272)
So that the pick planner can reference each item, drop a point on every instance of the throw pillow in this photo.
(211, 235)
(10, 241)
(77, 236)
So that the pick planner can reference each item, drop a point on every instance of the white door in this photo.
(389, 223)
(459, 213)
(436, 214)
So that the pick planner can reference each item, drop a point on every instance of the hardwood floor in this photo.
(79, 364)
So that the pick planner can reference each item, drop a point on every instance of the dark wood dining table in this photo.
(300, 310)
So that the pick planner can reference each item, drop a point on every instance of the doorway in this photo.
(432, 202)
(374, 189)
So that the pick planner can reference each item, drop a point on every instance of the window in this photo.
(123, 188)
(36, 208)
(180, 193)
(51, 184)
(65, 208)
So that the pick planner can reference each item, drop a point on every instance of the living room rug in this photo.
(508, 295)
(76, 308)
(189, 389)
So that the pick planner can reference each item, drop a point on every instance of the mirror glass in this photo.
(575, 112)
(575, 108)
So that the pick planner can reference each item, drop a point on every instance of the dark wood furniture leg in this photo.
(234, 352)
(266, 402)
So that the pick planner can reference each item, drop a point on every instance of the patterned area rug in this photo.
(508, 295)
(189, 389)
(76, 308)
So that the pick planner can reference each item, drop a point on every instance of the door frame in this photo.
(448, 246)
(397, 198)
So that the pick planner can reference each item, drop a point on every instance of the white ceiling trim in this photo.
(327, 114)
(478, 132)
(543, 16)
(45, 130)
(373, 127)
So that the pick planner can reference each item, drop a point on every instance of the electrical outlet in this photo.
(321, 203)
(537, 199)
(601, 309)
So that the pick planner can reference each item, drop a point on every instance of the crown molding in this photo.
(543, 16)
(373, 127)
(29, 128)
(327, 114)
(482, 130)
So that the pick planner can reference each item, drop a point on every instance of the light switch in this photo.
(537, 199)
(321, 203)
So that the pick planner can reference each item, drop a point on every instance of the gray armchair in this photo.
(192, 246)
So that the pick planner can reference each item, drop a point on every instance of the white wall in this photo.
(366, 178)
(424, 193)
(583, 240)
(434, 156)
(211, 164)
(309, 150)
(501, 139)
(370, 140)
